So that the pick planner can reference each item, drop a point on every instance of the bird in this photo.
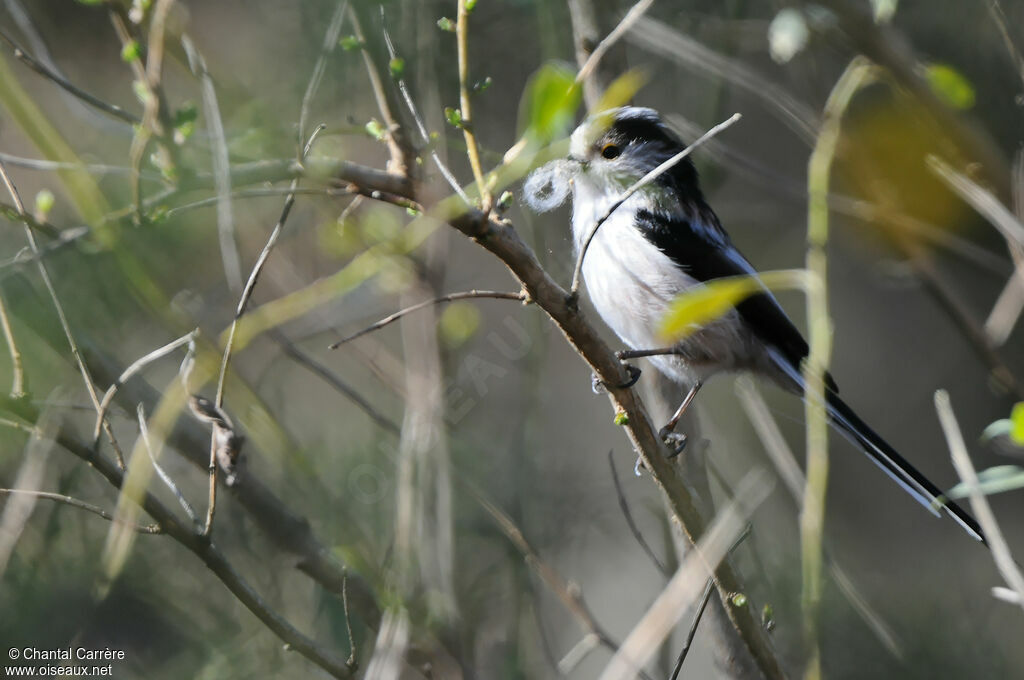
(665, 240)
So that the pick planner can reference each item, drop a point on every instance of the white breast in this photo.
(631, 283)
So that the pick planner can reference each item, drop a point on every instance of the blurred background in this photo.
(392, 454)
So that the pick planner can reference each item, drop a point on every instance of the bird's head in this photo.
(619, 146)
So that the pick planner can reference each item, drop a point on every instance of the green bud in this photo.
(44, 203)
(131, 51)
(349, 43)
(739, 600)
(470, 5)
(446, 24)
(397, 67)
(504, 201)
(481, 85)
(453, 116)
(376, 130)
(621, 418)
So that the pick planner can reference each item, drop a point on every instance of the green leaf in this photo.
(991, 481)
(1017, 423)
(621, 418)
(622, 89)
(550, 102)
(446, 24)
(470, 5)
(950, 86)
(703, 304)
(397, 67)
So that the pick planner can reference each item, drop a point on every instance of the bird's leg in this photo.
(626, 354)
(668, 434)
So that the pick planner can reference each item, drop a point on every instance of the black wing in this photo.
(701, 248)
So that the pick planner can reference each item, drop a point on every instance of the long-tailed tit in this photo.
(666, 239)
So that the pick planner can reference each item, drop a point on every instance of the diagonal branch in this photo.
(66, 85)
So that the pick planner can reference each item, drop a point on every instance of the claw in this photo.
(600, 386)
(674, 440)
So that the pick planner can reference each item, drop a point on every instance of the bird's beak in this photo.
(576, 159)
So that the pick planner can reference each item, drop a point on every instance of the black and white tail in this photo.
(896, 466)
(849, 424)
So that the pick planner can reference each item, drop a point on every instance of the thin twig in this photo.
(980, 198)
(287, 531)
(391, 318)
(1001, 554)
(401, 154)
(63, 83)
(46, 165)
(640, 184)
(704, 599)
(351, 661)
(960, 311)
(685, 586)
(17, 369)
(630, 18)
(812, 515)
(421, 126)
(789, 470)
(257, 193)
(326, 49)
(135, 367)
(243, 302)
(995, 10)
(661, 38)
(166, 478)
(633, 528)
(88, 507)
(304, 359)
(44, 274)
(465, 106)
(216, 562)
(1006, 223)
(568, 594)
(221, 167)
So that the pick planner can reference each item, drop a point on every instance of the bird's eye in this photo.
(610, 151)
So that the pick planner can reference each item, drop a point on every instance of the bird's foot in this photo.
(676, 442)
(632, 375)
